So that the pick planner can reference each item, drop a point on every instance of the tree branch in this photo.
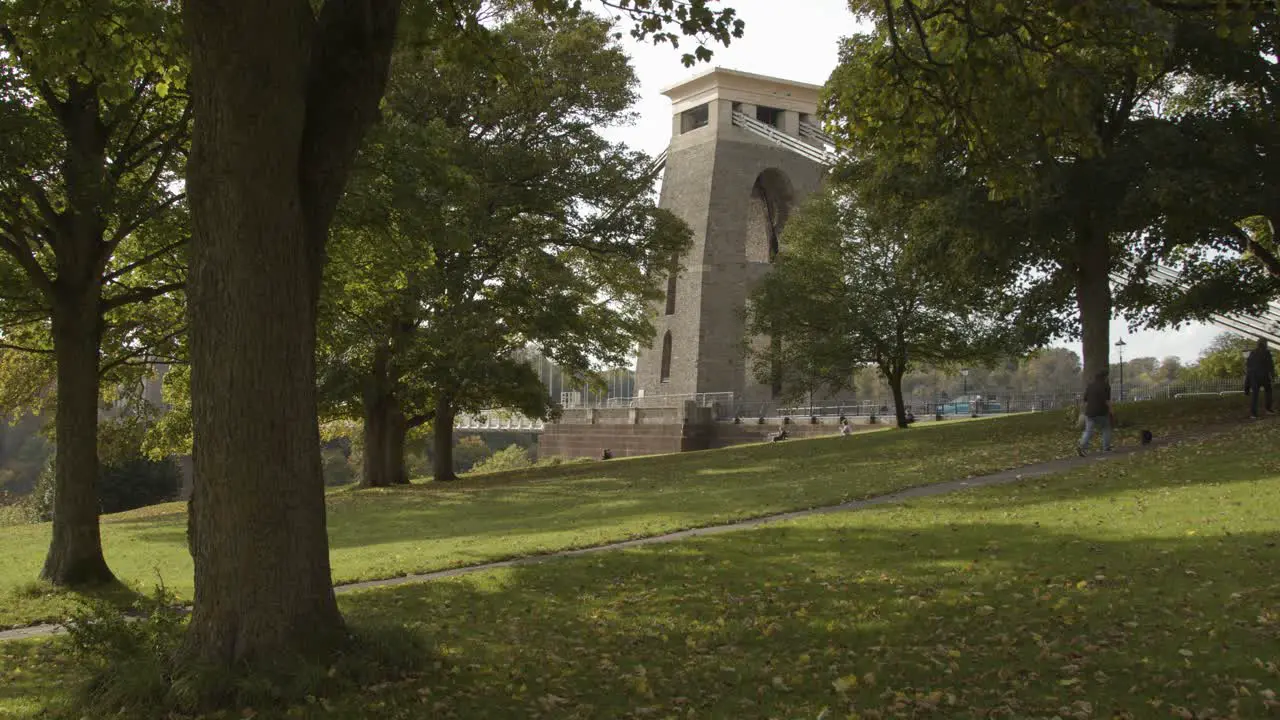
(139, 352)
(1264, 255)
(115, 274)
(44, 89)
(141, 295)
(21, 253)
(351, 60)
(22, 348)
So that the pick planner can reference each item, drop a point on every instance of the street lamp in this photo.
(1120, 347)
(965, 374)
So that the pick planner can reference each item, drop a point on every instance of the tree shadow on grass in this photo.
(924, 619)
(968, 621)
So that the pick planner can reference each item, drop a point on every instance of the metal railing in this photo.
(1266, 325)
(723, 399)
(818, 155)
(813, 132)
(497, 419)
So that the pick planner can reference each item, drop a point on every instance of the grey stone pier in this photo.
(736, 190)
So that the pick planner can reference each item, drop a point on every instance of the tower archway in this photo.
(772, 199)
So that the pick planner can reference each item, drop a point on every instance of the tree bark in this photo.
(377, 401)
(374, 465)
(442, 433)
(899, 405)
(75, 551)
(263, 590)
(1093, 299)
(397, 430)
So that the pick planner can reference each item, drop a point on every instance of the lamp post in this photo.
(1120, 347)
(965, 374)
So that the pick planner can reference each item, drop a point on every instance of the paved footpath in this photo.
(1001, 478)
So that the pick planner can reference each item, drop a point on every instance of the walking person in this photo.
(1259, 371)
(1097, 413)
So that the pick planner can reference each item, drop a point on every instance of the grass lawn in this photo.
(1141, 588)
(392, 532)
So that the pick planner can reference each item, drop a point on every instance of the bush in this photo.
(128, 658)
(469, 451)
(336, 467)
(127, 485)
(512, 457)
(136, 670)
(138, 483)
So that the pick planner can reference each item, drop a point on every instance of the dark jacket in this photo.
(1096, 397)
(1260, 367)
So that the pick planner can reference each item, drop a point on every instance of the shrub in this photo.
(512, 457)
(135, 668)
(469, 451)
(138, 483)
(128, 658)
(336, 467)
(122, 486)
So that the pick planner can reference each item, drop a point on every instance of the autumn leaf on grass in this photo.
(845, 684)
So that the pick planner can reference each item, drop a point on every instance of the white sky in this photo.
(797, 40)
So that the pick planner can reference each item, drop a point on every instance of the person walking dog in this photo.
(1097, 413)
(1259, 371)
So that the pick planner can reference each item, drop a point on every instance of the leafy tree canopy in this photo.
(845, 294)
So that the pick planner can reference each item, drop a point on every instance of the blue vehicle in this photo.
(966, 404)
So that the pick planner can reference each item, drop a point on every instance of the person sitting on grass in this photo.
(1097, 413)
(779, 436)
(845, 428)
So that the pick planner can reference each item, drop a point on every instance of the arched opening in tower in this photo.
(771, 199)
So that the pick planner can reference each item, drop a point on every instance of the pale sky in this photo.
(797, 40)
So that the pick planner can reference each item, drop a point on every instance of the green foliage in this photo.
(138, 482)
(1057, 143)
(470, 451)
(129, 660)
(122, 485)
(491, 215)
(845, 294)
(1223, 359)
(169, 431)
(95, 122)
(25, 451)
(667, 21)
(512, 457)
(127, 656)
(337, 467)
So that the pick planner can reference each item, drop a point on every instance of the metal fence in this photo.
(985, 401)
(720, 399)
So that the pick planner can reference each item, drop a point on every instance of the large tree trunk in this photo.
(442, 433)
(374, 472)
(899, 405)
(1093, 298)
(377, 405)
(263, 589)
(75, 552)
(397, 430)
(384, 441)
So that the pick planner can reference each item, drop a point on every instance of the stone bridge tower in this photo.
(732, 177)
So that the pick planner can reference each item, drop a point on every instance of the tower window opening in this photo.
(666, 357)
(769, 116)
(695, 118)
(671, 289)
